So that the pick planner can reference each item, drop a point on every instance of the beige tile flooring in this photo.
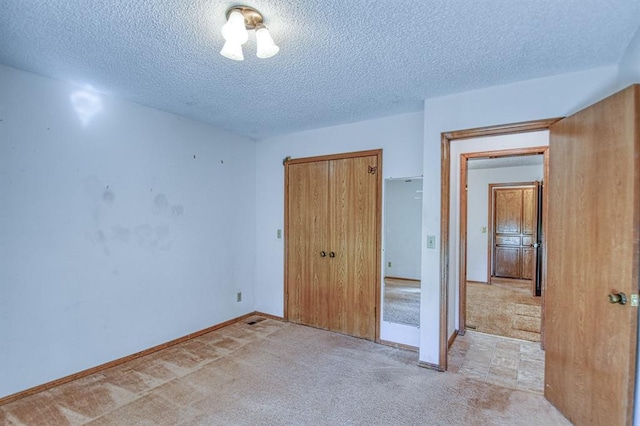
(502, 361)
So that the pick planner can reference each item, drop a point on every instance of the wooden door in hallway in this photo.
(592, 259)
(332, 232)
(515, 229)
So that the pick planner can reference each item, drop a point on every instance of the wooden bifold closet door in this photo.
(332, 274)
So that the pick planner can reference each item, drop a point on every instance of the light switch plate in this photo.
(431, 241)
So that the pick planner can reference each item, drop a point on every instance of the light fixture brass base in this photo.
(252, 18)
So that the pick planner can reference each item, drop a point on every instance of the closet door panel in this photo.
(353, 197)
(307, 269)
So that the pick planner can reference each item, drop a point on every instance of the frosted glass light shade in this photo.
(232, 50)
(234, 30)
(266, 47)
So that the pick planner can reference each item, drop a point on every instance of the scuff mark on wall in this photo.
(160, 204)
(177, 210)
(120, 233)
(153, 233)
(162, 231)
(108, 196)
(144, 231)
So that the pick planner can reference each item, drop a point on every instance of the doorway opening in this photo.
(402, 248)
(499, 238)
(503, 234)
(585, 276)
(453, 258)
(474, 209)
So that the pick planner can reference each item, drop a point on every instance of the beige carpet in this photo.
(503, 311)
(402, 301)
(274, 373)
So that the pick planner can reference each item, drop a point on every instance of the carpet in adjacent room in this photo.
(503, 311)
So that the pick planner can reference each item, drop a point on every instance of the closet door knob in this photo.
(323, 254)
(332, 254)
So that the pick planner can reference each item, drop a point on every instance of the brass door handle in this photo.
(323, 254)
(332, 254)
(620, 298)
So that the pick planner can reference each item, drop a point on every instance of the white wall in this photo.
(118, 233)
(402, 224)
(629, 66)
(399, 136)
(478, 181)
(548, 97)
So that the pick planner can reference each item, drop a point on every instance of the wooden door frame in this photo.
(378, 261)
(490, 246)
(445, 198)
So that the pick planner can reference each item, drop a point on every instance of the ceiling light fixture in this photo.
(239, 20)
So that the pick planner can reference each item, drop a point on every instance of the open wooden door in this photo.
(536, 247)
(592, 259)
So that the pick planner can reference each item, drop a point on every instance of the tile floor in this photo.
(502, 361)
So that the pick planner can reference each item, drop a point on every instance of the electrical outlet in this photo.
(239, 296)
(389, 264)
(431, 241)
(484, 229)
(279, 233)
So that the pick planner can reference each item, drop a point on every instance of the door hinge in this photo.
(372, 170)
(285, 159)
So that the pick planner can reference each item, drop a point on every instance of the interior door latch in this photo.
(620, 298)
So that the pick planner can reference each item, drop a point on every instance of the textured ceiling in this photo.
(339, 61)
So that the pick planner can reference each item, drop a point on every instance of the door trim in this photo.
(378, 230)
(445, 197)
(377, 152)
